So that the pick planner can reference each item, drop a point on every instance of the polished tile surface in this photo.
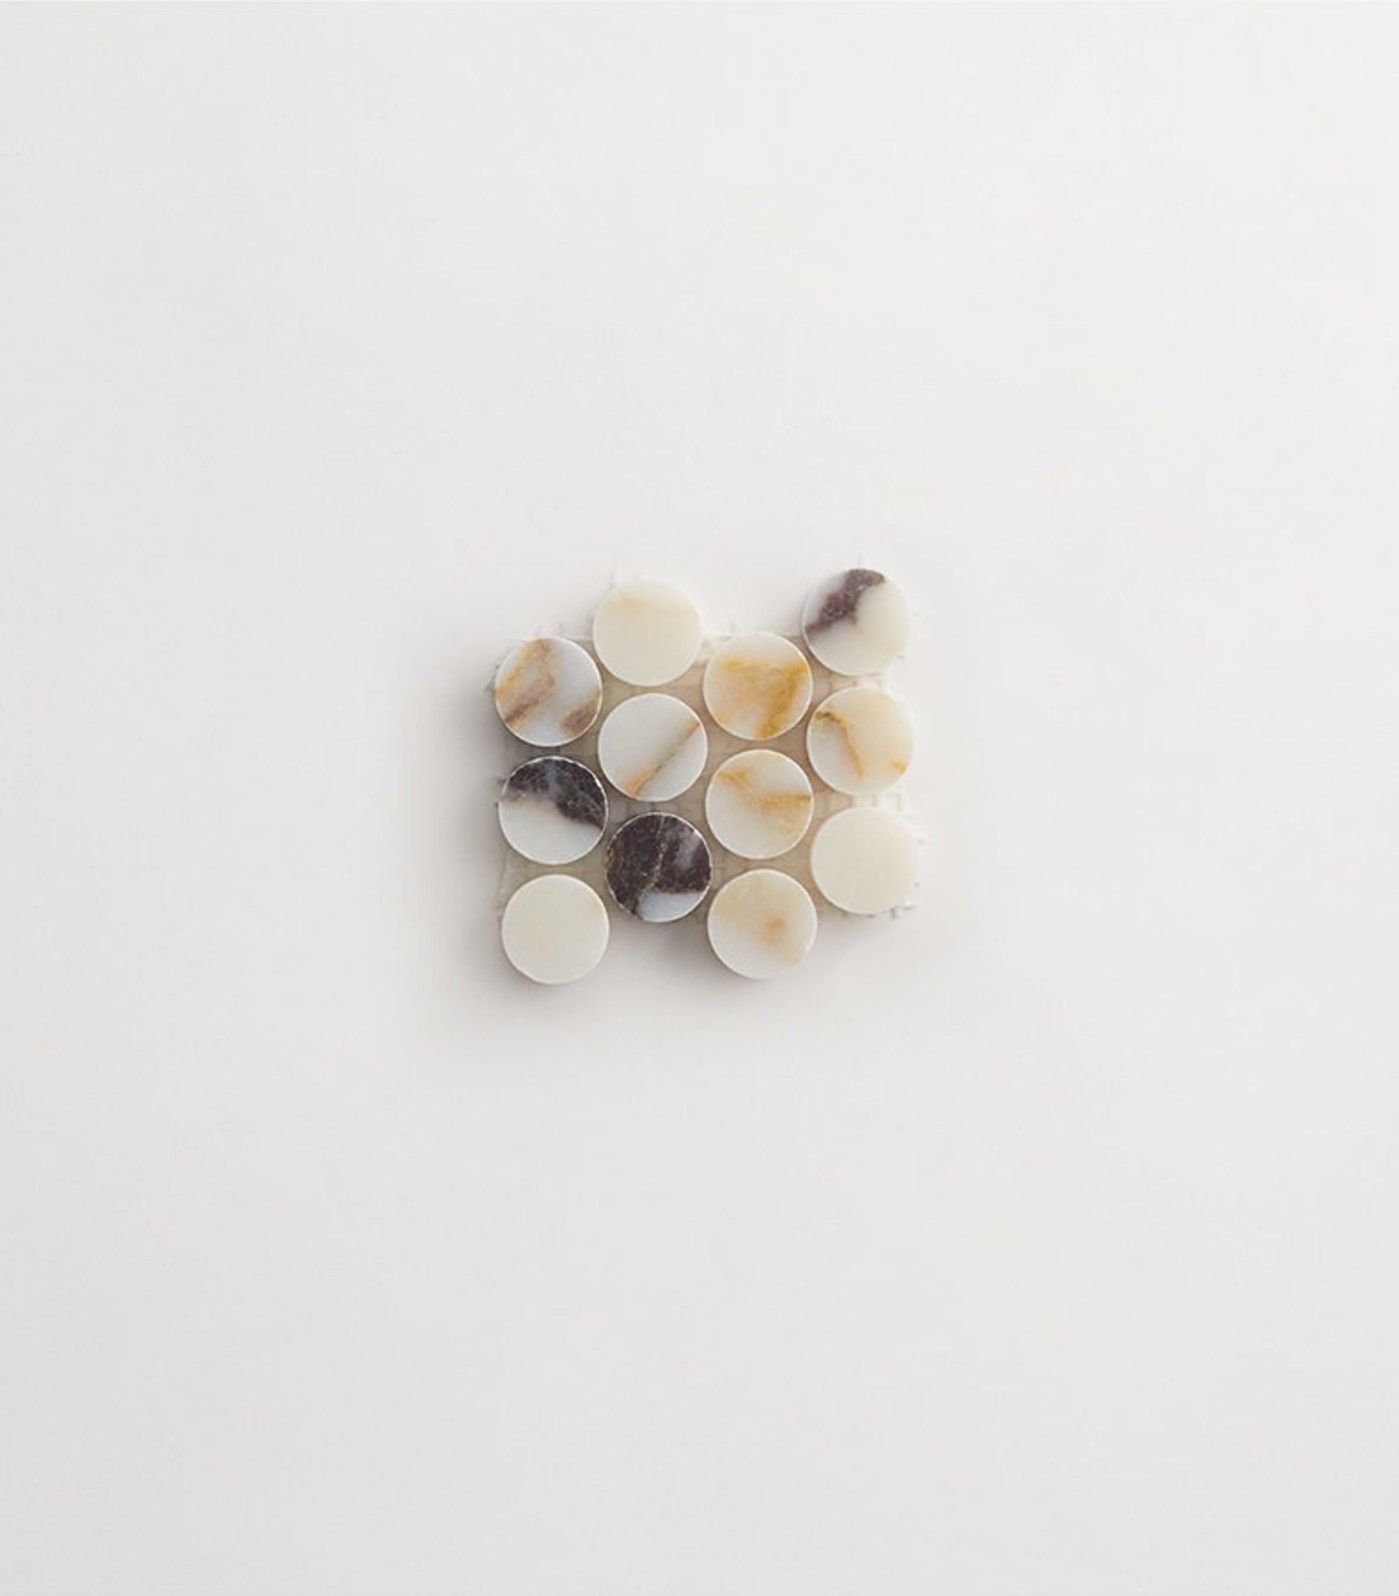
(652, 747)
(554, 929)
(658, 867)
(761, 924)
(548, 691)
(647, 633)
(856, 622)
(758, 803)
(860, 740)
(757, 686)
(552, 809)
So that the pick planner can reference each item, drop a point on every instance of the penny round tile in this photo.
(658, 867)
(757, 686)
(860, 740)
(647, 632)
(554, 929)
(548, 691)
(864, 860)
(652, 747)
(552, 809)
(761, 924)
(856, 622)
(758, 803)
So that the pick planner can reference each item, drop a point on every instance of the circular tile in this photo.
(552, 809)
(652, 747)
(864, 860)
(647, 632)
(761, 923)
(856, 622)
(860, 740)
(658, 867)
(757, 686)
(548, 691)
(758, 803)
(554, 929)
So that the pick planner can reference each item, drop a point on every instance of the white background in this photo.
(1041, 1243)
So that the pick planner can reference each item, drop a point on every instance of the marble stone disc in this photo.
(652, 747)
(758, 803)
(554, 929)
(757, 686)
(762, 923)
(548, 691)
(658, 867)
(552, 809)
(860, 740)
(864, 860)
(856, 622)
(647, 632)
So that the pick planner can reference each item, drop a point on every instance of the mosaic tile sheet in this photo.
(773, 693)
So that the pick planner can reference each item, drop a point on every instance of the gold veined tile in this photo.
(652, 747)
(548, 691)
(759, 803)
(860, 740)
(757, 686)
(761, 924)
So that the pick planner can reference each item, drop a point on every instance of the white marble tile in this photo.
(761, 924)
(652, 747)
(856, 622)
(552, 810)
(864, 860)
(758, 803)
(860, 740)
(757, 686)
(555, 929)
(548, 691)
(647, 633)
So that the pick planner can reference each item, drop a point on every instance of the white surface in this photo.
(548, 691)
(647, 632)
(758, 803)
(652, 747)
(761, 924)
(865, 861)
(552, 810)
(860, 740)
(757, 685)
(867, 640)
(554, 929)
(341, 347)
